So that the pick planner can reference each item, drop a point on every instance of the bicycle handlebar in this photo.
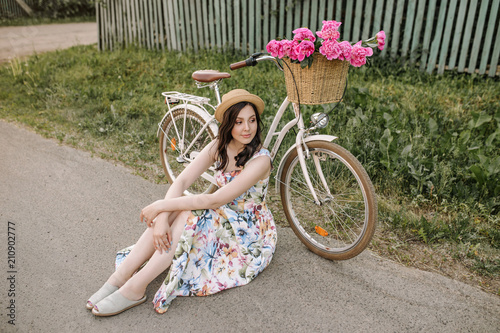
(253, 60)
(243, 63)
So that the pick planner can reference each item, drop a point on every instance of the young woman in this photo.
(211, 242)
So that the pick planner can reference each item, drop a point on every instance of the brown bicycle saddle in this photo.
(209, 75)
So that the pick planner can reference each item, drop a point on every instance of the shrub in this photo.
(63, 8)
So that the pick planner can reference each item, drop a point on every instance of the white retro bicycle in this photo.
(326, 194)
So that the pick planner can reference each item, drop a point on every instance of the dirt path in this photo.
(23, 41)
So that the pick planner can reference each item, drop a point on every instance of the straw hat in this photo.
(234, 97)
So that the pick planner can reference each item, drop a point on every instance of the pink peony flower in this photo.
(330, 49)
(329, 30)
(286, 46)
(294, 50)
(345, 50)
(303, 34)
(359, 54)
(305, 49)
(302, 46)
(274, 48)
(380, 39)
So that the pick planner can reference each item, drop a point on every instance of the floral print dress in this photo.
(222, 248)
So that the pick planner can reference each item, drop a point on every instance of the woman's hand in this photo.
(150, 212)
(162, 234)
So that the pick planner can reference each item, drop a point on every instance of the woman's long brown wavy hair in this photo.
(225, 137)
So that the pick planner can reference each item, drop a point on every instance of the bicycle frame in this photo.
(300, 141)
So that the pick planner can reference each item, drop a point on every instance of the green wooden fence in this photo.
(13, 8)
(434, 34)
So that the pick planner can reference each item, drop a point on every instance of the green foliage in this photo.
(52, 11)
(436, 135)
(63, 8)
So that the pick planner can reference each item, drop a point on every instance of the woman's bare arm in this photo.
(201, 163)
(255, 170)
(162, 234)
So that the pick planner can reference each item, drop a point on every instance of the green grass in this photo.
(430, 143)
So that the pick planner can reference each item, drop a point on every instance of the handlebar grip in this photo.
(252, 61)
(238, 65)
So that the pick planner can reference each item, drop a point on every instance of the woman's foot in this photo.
(115, 281)
(115, 304)
(106, 290)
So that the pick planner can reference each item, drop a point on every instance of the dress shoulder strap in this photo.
(261, 152)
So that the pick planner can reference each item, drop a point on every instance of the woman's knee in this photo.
(180, 219)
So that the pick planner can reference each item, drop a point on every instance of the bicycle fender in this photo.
(319, 137)
(201, 112)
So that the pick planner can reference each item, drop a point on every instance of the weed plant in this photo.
(430, 143)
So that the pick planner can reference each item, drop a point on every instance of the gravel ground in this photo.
(23, 41)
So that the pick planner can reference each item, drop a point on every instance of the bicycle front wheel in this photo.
(181, 140)
(342, 223)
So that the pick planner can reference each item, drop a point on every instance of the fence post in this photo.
(25, 7)
(237, 32)
(258, 25)
(410, 15)
(251, 26)
(489, 36)
(347, 21)
(356, 27)
(437, 38)
(458, 33)
(397, 28)
(446, 37)
(338, 10)
(417, 30)
(367, 24)
(495, 56)
(377, 19)
(467, 35)
(477, 37)
(230, 26)
(387, 24)
(289, 19)
(244, 27)
(99, 26)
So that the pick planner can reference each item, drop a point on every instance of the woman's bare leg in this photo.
(142, 251)
(135, 287)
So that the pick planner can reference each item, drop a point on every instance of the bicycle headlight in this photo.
(320, 120)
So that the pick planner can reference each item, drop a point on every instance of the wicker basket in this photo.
(322, 83)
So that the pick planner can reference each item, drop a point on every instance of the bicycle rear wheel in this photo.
(342, 224)
(179, 144)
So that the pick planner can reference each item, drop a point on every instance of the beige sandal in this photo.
(115, 304)
(106, 290)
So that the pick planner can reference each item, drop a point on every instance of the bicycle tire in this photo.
(175, 139)
(347, 214)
